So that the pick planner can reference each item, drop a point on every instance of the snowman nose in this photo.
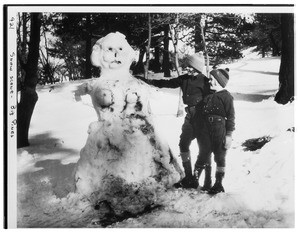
(113, 51)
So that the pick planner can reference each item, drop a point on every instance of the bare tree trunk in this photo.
(166, 60)
(174, 37)
(198, 36)
(24, 34)
(47, 67)
(274, 45)
(88, 44)
(263, 53)
(202, 25)
(286, 72)
(148, 47)
(156, 65)
(29, 96)
(23, 51)
(139, 66)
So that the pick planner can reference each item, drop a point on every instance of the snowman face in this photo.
(112, 52)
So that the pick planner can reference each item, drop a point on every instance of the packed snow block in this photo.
(124, 163)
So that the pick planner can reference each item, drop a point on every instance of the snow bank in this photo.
(259, 185)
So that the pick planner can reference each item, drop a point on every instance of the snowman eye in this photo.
(120, 48)
(110, 49)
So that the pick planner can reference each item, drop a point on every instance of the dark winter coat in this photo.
(194, 88)
(220, 104)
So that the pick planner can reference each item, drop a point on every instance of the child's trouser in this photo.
(212, 140)
(190, 128)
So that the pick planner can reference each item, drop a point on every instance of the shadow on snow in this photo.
(251, 97)
(60, 176)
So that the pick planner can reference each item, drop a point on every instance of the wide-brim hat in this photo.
(196, 61)
(221, 75)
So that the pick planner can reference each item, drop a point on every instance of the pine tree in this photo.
(286, 72)
(29, 95)
(266, 35)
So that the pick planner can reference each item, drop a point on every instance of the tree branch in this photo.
(226, 41)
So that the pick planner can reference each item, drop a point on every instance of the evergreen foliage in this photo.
(70, 36)
(67, 40)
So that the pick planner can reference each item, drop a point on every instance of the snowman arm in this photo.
(167, 83)
(82, 89)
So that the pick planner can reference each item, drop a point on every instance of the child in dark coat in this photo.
(216, 135)
(194, 87)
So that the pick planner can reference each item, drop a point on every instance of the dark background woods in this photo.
(53, 46)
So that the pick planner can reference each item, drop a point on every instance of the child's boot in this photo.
(218, 187)
(188, 181)
(207, 179)
(198, 171)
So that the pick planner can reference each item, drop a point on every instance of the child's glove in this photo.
(228, 141)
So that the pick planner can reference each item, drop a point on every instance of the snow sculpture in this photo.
(124, 163)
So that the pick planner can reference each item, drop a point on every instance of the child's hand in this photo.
(228, 141)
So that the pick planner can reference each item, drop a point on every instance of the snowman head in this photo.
(112, 53)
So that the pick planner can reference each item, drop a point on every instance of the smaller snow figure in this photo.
(124, 163)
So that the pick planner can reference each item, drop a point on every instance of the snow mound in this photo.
(259, 185)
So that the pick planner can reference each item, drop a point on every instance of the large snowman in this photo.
(125, 164)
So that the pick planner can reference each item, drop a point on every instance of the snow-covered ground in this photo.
(259, 185)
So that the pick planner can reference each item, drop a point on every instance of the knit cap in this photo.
(196, 61)
(221, 75)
